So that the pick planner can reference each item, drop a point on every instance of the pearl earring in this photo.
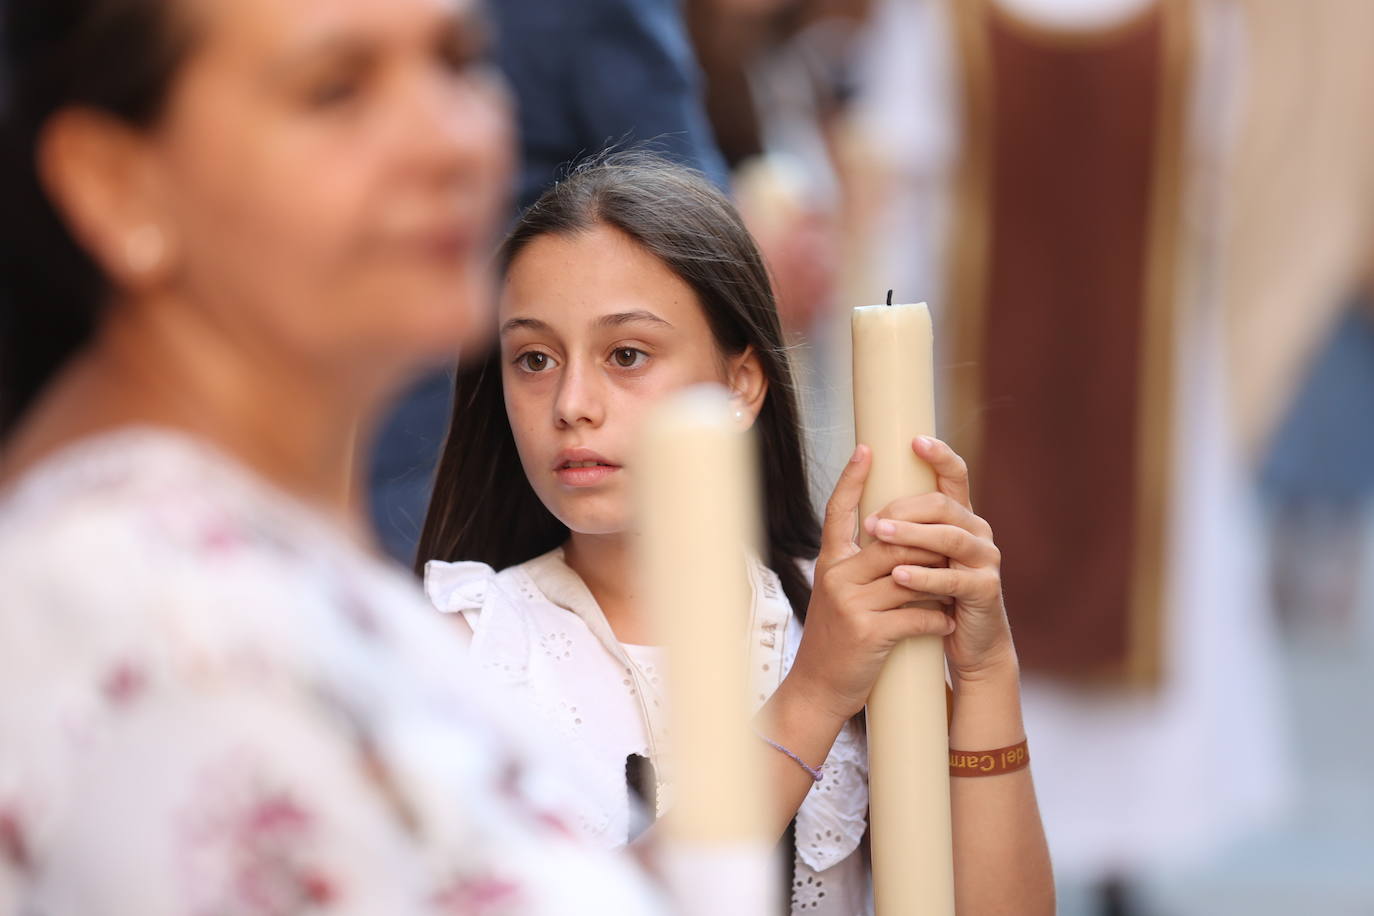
(144, 249)
(739, 414)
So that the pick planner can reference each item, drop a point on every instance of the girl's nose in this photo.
(579, 401)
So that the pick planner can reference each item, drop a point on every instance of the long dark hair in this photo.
(113, 56)
(483, 506)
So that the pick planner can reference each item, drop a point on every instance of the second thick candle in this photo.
(908, 736)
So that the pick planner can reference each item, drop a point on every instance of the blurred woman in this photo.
(233, 228)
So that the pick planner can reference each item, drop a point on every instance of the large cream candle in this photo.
(698, 521)
(908, 736)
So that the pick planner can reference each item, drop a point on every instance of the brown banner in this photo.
(1062, 297)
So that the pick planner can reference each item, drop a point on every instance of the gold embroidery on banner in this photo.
(1145, 660)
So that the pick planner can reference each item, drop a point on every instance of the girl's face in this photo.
(328, 175)
(594, 332)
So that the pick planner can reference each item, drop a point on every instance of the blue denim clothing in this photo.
(593, 74)
(1324, 451)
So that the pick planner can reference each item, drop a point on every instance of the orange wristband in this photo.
(989, 763)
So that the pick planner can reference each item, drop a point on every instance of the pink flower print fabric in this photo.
(211, 703)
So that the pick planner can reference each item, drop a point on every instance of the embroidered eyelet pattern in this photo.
(807, 892)
(556, 646)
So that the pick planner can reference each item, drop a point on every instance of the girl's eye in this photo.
(628, 357)
(335, 88)
(533, 361)
(332, 94)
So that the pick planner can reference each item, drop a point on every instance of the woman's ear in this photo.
(748, 386)
(98, 172)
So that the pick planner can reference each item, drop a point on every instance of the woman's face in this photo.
(331, 174)
(594, 332)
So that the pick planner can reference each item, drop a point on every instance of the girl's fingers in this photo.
(837, 531)
(973, 586)
(904, 623)
(930, 509)
(949, 541)
(877, 559)
(951, 471)
(886, 594)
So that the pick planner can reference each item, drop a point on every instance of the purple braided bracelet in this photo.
(814, 772)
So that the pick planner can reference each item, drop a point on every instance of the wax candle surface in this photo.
(698, 521)
(908, 737)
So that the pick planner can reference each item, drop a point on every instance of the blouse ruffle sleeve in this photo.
(457, 588)
(502, 637)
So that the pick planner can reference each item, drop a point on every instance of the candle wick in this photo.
(889, 297)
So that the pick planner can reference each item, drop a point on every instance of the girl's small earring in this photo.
(144, 250)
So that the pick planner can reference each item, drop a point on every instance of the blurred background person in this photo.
(1318, 479)
(585, 77)
(233, 229)
(1135, 219)
(780, 77)
(1318, 489)
(598, 74)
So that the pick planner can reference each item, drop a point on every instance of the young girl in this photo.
(624, 283)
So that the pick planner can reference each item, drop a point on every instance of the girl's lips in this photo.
(584, 477)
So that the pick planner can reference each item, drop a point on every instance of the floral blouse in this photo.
(214, 704)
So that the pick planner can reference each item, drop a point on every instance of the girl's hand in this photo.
(943, 522)
(857, 613)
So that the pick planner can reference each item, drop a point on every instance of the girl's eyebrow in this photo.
(515, 324)
(616, 319)
(613, 320)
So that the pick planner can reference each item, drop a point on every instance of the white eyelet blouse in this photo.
(538, 629)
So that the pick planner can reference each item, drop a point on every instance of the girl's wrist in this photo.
(987, 707)
(995, 674)
(801, 696)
